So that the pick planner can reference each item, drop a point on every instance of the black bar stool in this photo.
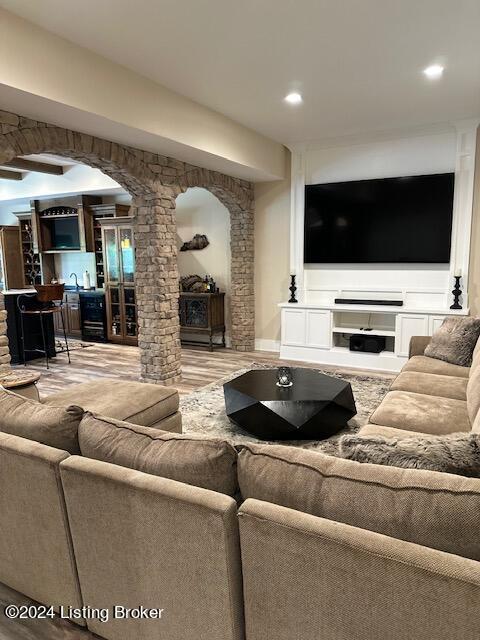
(47, 301)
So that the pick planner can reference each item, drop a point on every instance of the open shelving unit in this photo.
(348, 323)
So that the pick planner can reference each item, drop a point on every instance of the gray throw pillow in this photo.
(455, 341)
(456, 453)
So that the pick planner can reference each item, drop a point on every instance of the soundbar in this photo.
(385, 303)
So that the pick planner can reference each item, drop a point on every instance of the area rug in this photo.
(203, 411)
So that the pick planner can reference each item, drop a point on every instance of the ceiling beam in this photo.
(10, 175)
(33, 165)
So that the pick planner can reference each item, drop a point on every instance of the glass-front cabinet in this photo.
(119, 264)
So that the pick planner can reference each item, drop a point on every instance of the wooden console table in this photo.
(203, 314)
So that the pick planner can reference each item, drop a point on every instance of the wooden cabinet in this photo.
(203, 314)
(71, 316)
(100, 212)
(119, 270)
(11, 267)
(64, 226)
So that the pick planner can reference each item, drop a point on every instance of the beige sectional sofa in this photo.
(429, 396)
(315, 548)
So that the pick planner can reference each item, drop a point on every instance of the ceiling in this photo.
(358, 63)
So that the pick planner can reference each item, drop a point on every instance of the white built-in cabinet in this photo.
(321, 334)
(414, 324)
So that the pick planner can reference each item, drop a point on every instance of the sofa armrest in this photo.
(318, 578)
(418, 345)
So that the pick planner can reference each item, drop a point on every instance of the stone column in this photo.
(242, 295)
(156, 284)
(4, 351)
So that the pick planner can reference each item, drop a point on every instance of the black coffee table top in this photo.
(308, 384)
(315, 406)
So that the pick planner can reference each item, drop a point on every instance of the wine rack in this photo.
(32, 267)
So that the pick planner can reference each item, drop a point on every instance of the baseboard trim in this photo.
(263, 344)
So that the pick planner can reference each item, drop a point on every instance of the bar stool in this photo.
(46, 302)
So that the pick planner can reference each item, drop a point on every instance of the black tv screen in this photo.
(407, 219)
(65, 233)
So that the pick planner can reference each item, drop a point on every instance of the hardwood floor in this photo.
(199, 366)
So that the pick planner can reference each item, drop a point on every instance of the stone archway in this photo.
(154, 182)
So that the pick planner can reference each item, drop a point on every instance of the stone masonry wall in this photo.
(154, 182)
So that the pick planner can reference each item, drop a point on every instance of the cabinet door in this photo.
(111, 256)
(130, 313)
(57, 321)
(408, 326)
(114, 313)
(127, 255)
(318, 329)
(293, 327)
(73, 312)
(434, 323)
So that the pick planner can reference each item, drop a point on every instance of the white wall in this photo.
(272, 260)
(401, 156)
(199, 211)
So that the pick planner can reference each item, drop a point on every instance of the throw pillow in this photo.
(455, 341)
(202, 462)
(54, 426)
(435, 510)
(456, 453)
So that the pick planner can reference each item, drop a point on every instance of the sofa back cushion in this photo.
(437, 510)
(455, 341)
(54, 426)
(203, 462)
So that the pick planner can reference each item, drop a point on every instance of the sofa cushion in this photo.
(455, 341)
(378, 430)
(203, 462)
(419, 412)
(54, 426)
(455, 453)
(431, 384)
(135, 402)
(431, 365)
(437, 510)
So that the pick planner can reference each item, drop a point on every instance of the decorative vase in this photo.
(284, 377)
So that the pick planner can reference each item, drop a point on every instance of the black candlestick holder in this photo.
(293, 289)
(457, 292)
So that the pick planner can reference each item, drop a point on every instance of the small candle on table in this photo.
(458, 273)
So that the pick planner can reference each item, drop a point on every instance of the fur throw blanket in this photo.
(457, 453)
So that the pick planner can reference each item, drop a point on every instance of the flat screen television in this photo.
(65, 233)
(401, 220)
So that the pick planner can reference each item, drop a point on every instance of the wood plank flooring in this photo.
(199, 366)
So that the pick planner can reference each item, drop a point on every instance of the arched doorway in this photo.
(198, 211)
(154, 182)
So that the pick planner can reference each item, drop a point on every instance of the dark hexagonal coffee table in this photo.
(314, 407)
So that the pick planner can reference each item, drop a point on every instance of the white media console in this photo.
(320, 333)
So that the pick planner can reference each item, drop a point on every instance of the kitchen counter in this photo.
(17, 292)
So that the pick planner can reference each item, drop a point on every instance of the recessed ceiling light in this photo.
(293, 98)
(434, 71)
